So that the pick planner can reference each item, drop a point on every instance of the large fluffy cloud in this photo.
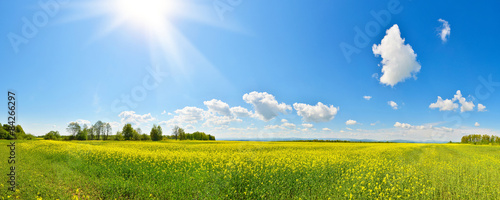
(217, 106)
(318, 113)
(135, 119)
(265, 105)
(449, 104)
(445, 30)
(399, 61)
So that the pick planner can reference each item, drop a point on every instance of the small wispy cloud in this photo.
(351, 122)
(393, 104)
(445, 30)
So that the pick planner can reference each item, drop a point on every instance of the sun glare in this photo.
(150, 13)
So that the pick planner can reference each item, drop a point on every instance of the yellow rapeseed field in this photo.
(253, 170)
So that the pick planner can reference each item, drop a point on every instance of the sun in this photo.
(150, 14)
(154, 23)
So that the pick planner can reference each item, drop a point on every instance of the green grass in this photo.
(251, 170)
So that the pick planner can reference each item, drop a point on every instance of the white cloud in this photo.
(367, 97)
(393, 104)
(402, 125)
(443, 129)
(398, 59)
(477, 124)
(288, 125)
(116, 126)
(327, 129)
(218, 106)
(135, 119)
(189, 115)
(164, 112)
(444, 105)
(318, 113)
(449, 105)
(265, 105)
(189, 127)
(351, 122)
(421, 127)
(466, 105)
(81, 122)
(307, 125)
(272, 126)
(481, 108)
(285, 125)
(240, 112)
(348, 128)
(374, 123)
(445, 31)
(212, 120)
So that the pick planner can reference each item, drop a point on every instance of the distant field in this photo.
(252, 170)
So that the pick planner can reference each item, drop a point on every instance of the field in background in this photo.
(251, 170)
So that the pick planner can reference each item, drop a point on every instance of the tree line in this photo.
(101, 131)
(180, 134)
(18, 133)
(480, 139)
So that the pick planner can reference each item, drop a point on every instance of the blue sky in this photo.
(256, 69)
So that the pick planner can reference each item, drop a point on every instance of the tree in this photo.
(145, 137)
(91, 132)
(4, 134)
(86, 128)
(182, 134)
(175, 132)
(73, 128)
(52, 135)
(29, 136)
(156, 133)
(128, 131)
(6, 127)
(19, 129)
(19, 132)
(211, 137)
(108, 130)
(99, 129)
(82, 135)
(136, 136)
(480, 139)
(119, 136)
